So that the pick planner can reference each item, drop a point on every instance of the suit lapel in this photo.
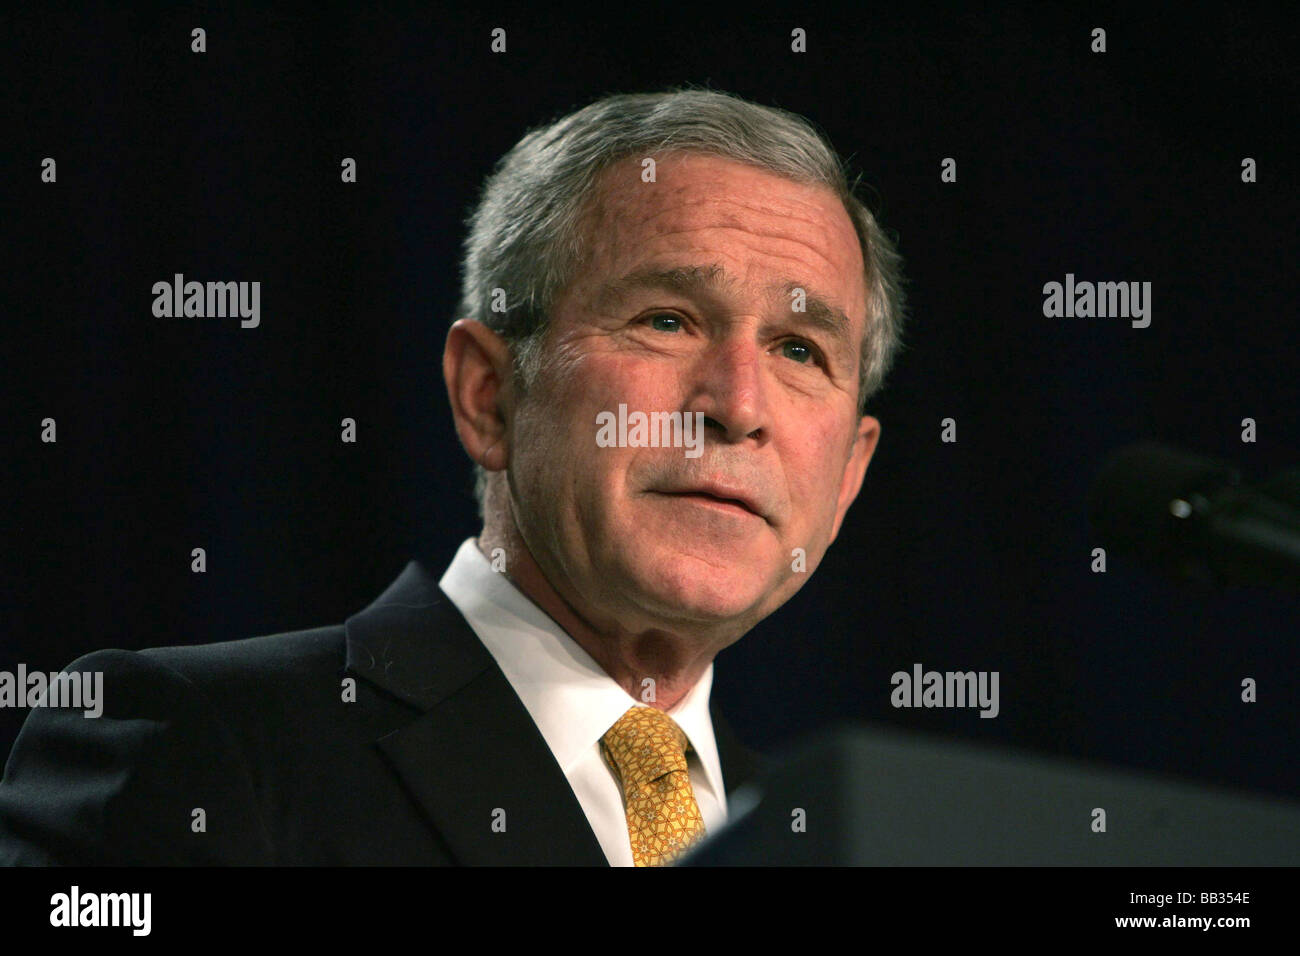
(473, 759)
(740, 765)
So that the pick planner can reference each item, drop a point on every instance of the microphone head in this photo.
(1148, 500)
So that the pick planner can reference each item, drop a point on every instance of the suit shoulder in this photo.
(257, 664)
(118, 783)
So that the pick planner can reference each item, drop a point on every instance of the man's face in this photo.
(642, 533)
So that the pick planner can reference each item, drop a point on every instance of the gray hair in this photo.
(525, 236)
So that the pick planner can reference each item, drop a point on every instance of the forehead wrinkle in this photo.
(801, 206)
(817, 300)
(808, 232)
(651, 205)
(694, 279)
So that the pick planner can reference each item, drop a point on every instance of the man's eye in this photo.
(665, 322)
(799, 351)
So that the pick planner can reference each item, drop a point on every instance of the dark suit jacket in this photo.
(257, 734)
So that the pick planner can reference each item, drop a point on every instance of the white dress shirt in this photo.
(573, 701)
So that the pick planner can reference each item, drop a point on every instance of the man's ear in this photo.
(476, 365)
(864, 446)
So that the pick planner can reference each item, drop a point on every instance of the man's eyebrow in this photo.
(689, 280)
(683, 279)
(817, 312)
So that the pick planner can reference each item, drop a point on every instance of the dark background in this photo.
(177, 433)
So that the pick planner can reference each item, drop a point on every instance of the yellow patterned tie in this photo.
(647, 752)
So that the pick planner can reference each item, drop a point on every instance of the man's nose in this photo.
(729, 389)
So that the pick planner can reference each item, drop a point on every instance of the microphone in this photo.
(1193, 518)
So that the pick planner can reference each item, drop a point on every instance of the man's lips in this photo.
(720, 495)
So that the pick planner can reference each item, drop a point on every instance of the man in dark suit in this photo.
(674, 310)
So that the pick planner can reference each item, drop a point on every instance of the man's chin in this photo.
(703, 595)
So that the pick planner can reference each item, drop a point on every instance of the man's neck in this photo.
(673, 663)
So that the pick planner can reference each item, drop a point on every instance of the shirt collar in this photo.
(569, 696)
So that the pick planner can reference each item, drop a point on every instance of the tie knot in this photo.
(644, 745)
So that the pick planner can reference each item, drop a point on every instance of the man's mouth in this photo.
(717, 500)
